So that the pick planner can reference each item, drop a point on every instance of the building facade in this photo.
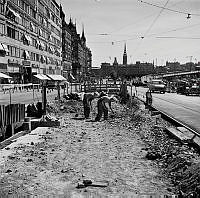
(81, 54)
(35, 39)
(66, 48)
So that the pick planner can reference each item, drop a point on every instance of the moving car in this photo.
(157, 85)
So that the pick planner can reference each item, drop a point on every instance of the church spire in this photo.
(125, 55)
(83, 35)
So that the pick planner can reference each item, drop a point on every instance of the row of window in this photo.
(26, 55)
(15, 34)
(12, 15)
(44, 10)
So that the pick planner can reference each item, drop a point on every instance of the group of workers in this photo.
(103, 104)
(104, 101)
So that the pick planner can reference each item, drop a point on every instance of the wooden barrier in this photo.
(108, 88)
(10, 115)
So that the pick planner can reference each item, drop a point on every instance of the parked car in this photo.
(157, 85)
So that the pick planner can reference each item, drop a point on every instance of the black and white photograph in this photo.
(99, 98)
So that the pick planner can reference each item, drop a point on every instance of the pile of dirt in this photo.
(179, 161)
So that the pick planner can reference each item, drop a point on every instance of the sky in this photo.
(153, 30)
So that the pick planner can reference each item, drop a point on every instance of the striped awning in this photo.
(2, 75)
(42, 77)
(56, 77)
(5, 47)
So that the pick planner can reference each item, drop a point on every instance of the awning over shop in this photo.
(42, 77)
(2, 75)
(56, 77)
(5, 47)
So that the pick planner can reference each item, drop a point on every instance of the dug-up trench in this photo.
(129, 155)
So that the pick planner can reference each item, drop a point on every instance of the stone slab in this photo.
(177, 134)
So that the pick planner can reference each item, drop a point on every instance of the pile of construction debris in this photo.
(179, 161)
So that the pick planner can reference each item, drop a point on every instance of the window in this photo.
(37, 57)
(10, 32)
(2, 9)
(52, 6)
(33, 13)
(57, 12)
(2, 28)
(13, 51)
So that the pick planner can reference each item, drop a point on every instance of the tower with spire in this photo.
(125, 55)
(83, 39)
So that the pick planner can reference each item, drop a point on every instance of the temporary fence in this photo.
(9, 116)
(109, 88)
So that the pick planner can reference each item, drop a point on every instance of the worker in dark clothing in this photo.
(149, 98)
(123, 93)
(87, 100)
(102, 108)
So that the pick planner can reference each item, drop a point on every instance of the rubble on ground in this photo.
(62, 157)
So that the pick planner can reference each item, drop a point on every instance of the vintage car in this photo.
(193, 90)
(157, 85)
(186, 88)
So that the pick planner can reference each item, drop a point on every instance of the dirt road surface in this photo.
(51, 162)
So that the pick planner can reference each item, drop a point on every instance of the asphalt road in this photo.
(186, 109)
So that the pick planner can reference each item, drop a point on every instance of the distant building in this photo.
(125, 56)
(81, 54)
(127, 70)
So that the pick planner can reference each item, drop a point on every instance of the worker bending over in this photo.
(102, 108)
(149, 98)
(87, 100)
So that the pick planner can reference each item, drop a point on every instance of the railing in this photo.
(18, 87)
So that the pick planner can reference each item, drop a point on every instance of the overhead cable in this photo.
(169, 9)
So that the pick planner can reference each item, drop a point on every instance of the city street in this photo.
(184, 108)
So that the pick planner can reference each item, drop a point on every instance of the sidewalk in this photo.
(51, 162)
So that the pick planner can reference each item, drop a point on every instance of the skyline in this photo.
(153, 30)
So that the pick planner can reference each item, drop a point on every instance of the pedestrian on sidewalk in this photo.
(102, 108)
(149, 98)
(87, 102)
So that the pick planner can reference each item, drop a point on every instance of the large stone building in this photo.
(81, 54)
(31, 32)
(66, 48)
(34, 38)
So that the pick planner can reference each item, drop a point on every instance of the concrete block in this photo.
(39, 123)
(186, 132)
(196, 141)
(177, 134)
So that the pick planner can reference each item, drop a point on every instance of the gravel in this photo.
(130, 151)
